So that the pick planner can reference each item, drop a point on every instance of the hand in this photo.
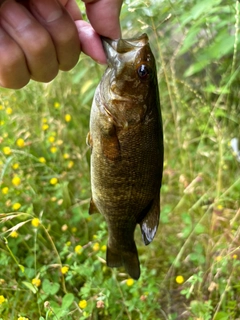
(40, 37)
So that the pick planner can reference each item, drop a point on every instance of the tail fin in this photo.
(128, 259)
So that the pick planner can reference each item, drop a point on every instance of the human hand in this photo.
(39, 37)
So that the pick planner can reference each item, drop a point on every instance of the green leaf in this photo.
(49, 287)
(221, 316)
(67, 300)
(30, 286)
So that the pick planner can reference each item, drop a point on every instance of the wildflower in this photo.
(7, 151)
(44, 120)
(59, 142)
(35, 222)
(36, 282)
(68, 117)
(16, 181)
(45, 126)
(66, 156)
(218, 258)
(53, 199)
(100, 304)
(16, 206)
(22, 318)
(235, 256)
(14, 234)
(2, 299)
(42, 160)
(9, 110)
(82, 304)
(104, 248)
(64, 269)
(51, 139)
(20, 143)
(53, 181)
(96, 246)
(15, 166)
(78, 249)
(56, 105)
(2, 122)
(68, 243)
(130, 282)
(70, 164)
(5, 190)
(179, 279)
(53, 149)
(64, 227)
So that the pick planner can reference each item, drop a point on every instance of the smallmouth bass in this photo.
(126, 141)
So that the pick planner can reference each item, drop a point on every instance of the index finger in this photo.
(104, 17)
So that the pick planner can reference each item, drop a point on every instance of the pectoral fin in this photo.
(93, 208)
(149, 223)
(89, 140)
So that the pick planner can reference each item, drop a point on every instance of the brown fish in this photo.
(126, 143)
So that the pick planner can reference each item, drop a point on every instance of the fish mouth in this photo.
(114, 47)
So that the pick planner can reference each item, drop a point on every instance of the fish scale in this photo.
(126, 141)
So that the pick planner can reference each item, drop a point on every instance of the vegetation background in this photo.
(52, 253)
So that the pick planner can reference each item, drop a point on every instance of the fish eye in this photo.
(143, 71)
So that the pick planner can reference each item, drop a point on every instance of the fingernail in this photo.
(15, 15)
(48, 10)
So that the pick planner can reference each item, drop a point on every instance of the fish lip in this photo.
(114, 46)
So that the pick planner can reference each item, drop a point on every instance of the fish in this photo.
(126, 142)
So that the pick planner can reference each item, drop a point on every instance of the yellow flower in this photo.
(235, 256)
(179, 279)
(15, 166)
(22, 318)
(82, 304)
(78, 249)
(66, 156)
(36, 282)
(53, 149)
(104, 248)
(96, 246)
(56, 105)
(218, 258)
(35, 222)
(7, 151)
(16, 181)
(64, 269)
(44, 120)
(2, 122)
(68, 243)
(14, 234)
(9, 110)
(5, 190)
(53, 181)
(42, 160)
(51, 139)
(45, 126)
(16, 206)
(68, 117)
(70, 164)
(20, 143)
(2, 299)
(130, 282)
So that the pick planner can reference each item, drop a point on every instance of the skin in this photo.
(40, 37)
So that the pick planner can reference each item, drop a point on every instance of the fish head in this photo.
(131, 66)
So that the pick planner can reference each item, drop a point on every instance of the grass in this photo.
(52, 253)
